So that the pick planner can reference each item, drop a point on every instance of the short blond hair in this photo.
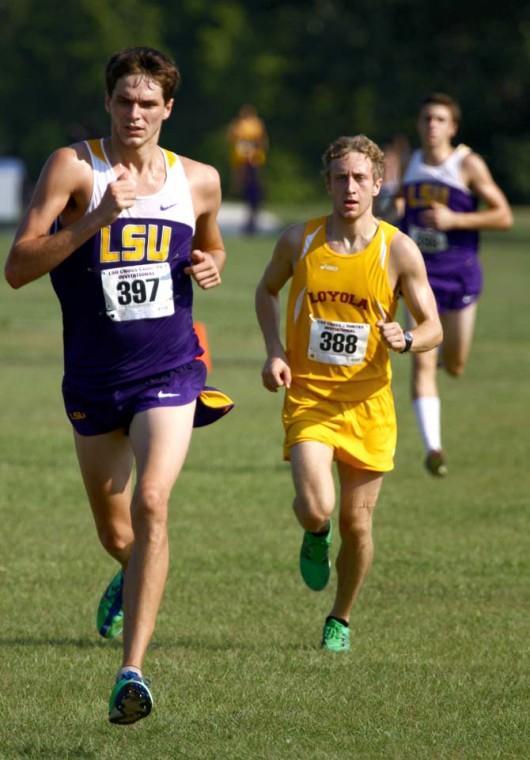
(356, 144)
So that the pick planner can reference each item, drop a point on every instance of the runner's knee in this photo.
(455, 367)
(357, 524)
(312, 512)
(149, 513)
(114, 540)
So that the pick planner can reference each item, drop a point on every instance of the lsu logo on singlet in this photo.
(139, 242)
(424, 194)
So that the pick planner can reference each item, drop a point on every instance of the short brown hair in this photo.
(441, 99)
(147, 61)
(356, 144)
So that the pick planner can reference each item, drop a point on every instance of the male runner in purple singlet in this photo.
(123, 227)
(442, 187)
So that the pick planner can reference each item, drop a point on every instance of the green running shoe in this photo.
(130, 699)
(336, 636)
(314, 559)
(109, 620)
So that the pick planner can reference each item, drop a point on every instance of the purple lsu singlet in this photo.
(125, 299)
(451, 256)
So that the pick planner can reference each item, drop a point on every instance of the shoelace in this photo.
(334, 633)
(134, 677)
(316, 550)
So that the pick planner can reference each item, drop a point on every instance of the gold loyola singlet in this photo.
(335, 299)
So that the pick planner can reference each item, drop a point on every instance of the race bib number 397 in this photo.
(138, 292)
(338, 342)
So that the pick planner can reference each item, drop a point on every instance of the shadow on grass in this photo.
(191, 643)
(27, 641)
(51, 752)
(185, 643)
(238, 470)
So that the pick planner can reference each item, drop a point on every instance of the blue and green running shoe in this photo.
(109, 620)
(130, 699)
(336, 636)
(315, 566)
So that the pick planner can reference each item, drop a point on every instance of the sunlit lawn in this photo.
(439, 660)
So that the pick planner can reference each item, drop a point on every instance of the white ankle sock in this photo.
(427, 409)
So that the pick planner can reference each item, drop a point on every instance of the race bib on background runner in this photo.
(428, 240)
(338, 342)
(138, 292)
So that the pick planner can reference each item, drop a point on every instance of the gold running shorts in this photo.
(362, 433)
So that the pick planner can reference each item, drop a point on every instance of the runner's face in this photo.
(137, 110)
(436, 125)
(351, 185)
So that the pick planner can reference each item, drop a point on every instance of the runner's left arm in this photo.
(208, 254)
(410, 276)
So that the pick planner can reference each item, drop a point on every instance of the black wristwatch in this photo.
(408, 341)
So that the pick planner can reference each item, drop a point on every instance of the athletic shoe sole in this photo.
(132, 702)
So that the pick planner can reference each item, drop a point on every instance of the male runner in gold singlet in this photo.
(347, 270)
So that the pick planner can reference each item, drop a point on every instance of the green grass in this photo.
(439, 663)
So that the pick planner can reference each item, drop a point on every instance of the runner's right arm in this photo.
(64, 184)
(276, 371)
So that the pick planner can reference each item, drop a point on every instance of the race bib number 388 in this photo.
(138, 292)
(338, 342)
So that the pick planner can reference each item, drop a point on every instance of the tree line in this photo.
(314, 69)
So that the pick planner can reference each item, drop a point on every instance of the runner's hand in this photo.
(119, 195)
(203, 269)
(392, 335)
(439, 217)
(275, 374)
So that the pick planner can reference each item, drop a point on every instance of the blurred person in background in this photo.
(249, 143)
(397, 154)
(346, 270)
(442, 188)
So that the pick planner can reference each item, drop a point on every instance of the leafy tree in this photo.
(52, 73)
(314, 70)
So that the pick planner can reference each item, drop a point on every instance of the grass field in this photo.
(439, 666)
